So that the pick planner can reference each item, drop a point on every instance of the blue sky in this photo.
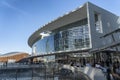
(20, 18)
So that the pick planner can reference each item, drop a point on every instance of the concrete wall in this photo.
(109, 23)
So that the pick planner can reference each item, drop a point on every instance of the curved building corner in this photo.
(73, 34)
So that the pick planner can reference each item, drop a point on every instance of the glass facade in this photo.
(71, 38)
(45, 45)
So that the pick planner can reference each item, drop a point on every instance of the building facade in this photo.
(75, 33)
(13, 57)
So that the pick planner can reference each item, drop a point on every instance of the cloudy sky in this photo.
(20, 18)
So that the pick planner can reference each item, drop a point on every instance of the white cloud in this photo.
(6, 4)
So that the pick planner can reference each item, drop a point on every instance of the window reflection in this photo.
(69, 39)
(72, 39)
(45, 45)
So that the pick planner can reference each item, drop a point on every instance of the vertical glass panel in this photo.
(72, 39)
(45, 45)
(98, 23)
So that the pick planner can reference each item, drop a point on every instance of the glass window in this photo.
(73, 38)
(98, 23)
(45, 45)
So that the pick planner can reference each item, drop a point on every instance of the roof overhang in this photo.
(71, 17)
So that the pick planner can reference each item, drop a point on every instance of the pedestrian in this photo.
(116, 71)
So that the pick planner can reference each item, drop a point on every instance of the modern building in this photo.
(12, 57)
(74, 34)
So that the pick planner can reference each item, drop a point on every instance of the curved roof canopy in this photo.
(12, 53)
(71, 17)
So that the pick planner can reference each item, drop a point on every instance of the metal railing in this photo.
(40, 72)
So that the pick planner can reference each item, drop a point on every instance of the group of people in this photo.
(79, 64)
(111, 70)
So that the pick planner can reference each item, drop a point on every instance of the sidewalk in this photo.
(99, 75)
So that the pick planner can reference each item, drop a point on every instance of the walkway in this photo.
(99, 75)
